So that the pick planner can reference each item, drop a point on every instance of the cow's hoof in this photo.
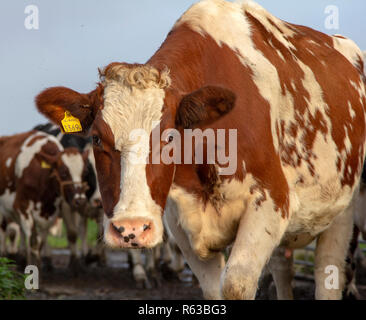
(143, 284)
(168, 273)
(102, 261)
(90, 258)
(99, 259)
(351, 293)
(47, 264)
(75, 265)
(155, 278)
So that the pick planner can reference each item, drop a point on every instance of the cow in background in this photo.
(37, 177)
(77, 222)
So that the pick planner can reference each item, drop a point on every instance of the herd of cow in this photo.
(48, 177)
(297, 100)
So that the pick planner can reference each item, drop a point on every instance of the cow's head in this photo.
(71, 172)
(122, 115)
(68, 169)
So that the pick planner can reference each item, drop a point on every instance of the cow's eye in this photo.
(96, 141)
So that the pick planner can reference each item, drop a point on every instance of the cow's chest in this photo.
(210, 229)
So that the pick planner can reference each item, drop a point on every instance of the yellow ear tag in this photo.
(45, 165)
(70, 123)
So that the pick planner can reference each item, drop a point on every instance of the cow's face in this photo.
(70, 171)
(137, 104)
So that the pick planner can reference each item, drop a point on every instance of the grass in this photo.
(11, 281)
(304, 256)
(61, 242)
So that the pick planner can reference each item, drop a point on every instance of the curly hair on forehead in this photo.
(140, 76)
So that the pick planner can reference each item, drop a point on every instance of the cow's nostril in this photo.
(118, 229)
(131, 236)
(126, 239)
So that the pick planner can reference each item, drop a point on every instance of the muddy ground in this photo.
(115, 281)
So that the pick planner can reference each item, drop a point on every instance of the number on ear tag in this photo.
(70, 123)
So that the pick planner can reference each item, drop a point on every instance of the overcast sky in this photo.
(77, 36)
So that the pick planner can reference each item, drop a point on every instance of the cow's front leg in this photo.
(100, 247)
(2, 238)
(138, 270)
(152, 263)
(46, 251)
(13, 233)
(71, 223)
(281, 267)
(330, 256)
(259, 233)
(2, 243)
(208, 272)
(83, 235)
(35, 246)
(29, 239)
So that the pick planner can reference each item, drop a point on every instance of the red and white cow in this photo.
(37, 177)
(296, 99)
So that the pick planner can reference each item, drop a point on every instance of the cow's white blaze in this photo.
(134, 103)
(75, 164)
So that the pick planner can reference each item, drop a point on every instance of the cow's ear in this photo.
(204, 106)
(59, 104)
